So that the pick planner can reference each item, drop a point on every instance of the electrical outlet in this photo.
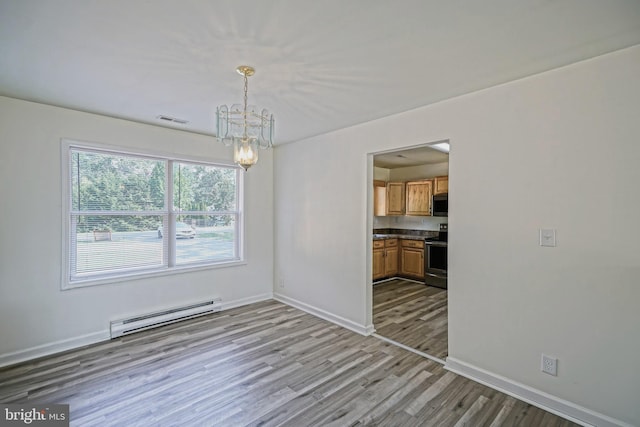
(281, 283)
(549, 365)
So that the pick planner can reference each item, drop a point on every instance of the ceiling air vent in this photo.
(172, 120)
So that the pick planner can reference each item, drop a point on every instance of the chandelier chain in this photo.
(246, 89)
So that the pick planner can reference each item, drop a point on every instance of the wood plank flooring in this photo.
(266, 364)
(412, 314)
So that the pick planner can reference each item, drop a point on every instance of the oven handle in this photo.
(435, 243)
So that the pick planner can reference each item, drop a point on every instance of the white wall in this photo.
(557, 150)
(35, 315)
(381, 174)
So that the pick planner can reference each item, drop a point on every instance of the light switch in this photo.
(547, 237)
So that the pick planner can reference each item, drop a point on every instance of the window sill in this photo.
(83, 283)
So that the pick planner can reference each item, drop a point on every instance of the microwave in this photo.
(440, 205)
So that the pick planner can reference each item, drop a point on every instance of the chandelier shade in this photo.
(244, 126)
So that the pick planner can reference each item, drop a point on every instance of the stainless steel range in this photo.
(435, 259)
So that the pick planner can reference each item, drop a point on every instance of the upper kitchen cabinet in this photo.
(419, 197)
(441, 185)
(379, 198)
(395, 198)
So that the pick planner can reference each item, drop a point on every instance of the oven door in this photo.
(435, 264)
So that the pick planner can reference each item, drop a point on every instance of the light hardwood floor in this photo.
(265, 364)
(412, 314)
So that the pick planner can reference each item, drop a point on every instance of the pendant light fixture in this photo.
(243, 127)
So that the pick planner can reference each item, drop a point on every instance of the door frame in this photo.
(370, 220)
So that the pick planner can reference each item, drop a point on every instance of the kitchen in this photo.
(409, 260)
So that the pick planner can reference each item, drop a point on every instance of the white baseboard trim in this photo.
(318, 312)
(411, 349)
(546, 401)
(52, 348)
(96, 337)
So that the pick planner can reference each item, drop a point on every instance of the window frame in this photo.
(168, 266)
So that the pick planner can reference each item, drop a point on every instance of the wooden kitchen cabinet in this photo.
(385, 258)
(407, 198)
(379, 198)
(412, 258)
(395, 198)
(440, 185)
(419, 197)
(378, 259)
(390, 257)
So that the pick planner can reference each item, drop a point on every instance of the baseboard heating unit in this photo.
(153, 320)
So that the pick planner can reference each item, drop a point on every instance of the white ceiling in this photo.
(321, 65)
(423, 155)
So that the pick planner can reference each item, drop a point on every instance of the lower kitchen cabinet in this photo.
(390, 257)
(385, 258)
(412, 259)
(398, 258)
(378, 259)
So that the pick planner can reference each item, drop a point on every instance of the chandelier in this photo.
(243, 127)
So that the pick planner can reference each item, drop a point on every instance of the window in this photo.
(131, 214)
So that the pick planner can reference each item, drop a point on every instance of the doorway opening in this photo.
(408, 306)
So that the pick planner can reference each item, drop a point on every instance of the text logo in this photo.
(34, 415)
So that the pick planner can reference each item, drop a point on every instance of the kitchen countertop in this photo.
(397, 236)
(398, 233)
